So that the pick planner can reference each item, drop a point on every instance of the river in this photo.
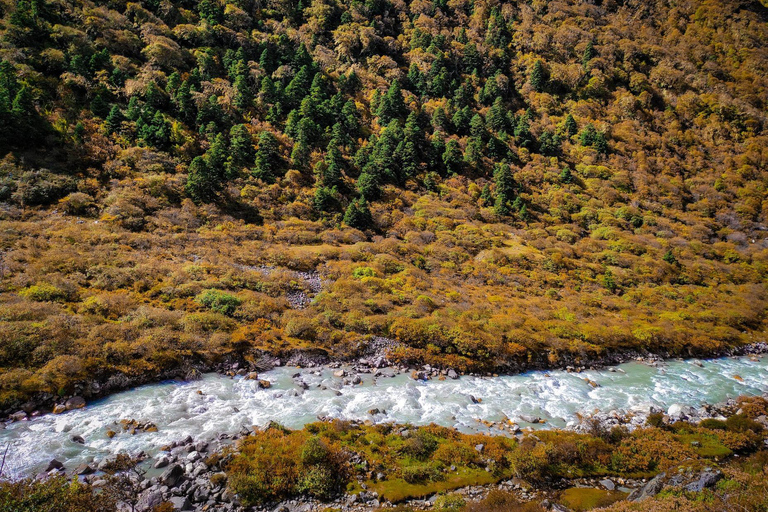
(217, 404)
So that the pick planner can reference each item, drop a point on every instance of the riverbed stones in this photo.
(264, 384)
(59, 408)
(78, 439)
(76, 402)
(180, 503)
(172, 475)
(452, 374)
(18, 416)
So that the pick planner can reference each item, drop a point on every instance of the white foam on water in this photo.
(226, 405)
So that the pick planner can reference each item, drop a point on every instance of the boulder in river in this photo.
(55, 465)
(265, 384)
(76, 402)
(59, 408)
(78, 439)
(452, 374)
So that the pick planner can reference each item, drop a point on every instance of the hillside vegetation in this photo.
(491, 184)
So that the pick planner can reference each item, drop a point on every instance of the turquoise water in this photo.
(226, 405)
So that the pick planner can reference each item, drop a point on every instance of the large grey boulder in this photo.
(649, 490)
(172, 475)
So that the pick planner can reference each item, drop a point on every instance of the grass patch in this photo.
(397, 490)
(580, 499)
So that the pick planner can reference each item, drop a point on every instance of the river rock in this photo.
(340, 373)
(252, 376)
(19, 416)
(705, 480)
(84, 469)
(171, 476)
(357, 380)
(78, 439)
(193, 374)
(608, 484)
(55, 465)
(452, 374)
(265, 384)
(76, 402)
(161, 462)
(649, 490)
(180, 503)
(59, 408)
(150, 500)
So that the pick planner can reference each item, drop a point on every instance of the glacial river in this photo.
(216, 404)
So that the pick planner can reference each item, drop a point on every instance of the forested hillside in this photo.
(489, 184)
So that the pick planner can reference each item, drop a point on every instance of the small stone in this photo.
(59, 408)
(78, 439)
(265, 384)
(111, 434)
(452, 374)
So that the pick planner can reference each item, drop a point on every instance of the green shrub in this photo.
(361, 272)
(218, 301)
(450, 503)
(44, 292)
(420, 473)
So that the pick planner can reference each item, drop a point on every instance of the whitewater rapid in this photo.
(218, 404)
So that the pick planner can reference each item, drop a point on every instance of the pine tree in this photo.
(566, 176)
(201, 185)
(496, 119)
(589, 54)
(486, 197)
(523, 137)
(216, 156)
(601, 144)
(452, 157)
(267, 157)
(325, 199)
(358, 215)
(549, 143)
(243, 94)
(114, 120)
(368, 184)
(334, 164)
(439, 119)
(391, 105)
(571, 128)
(504, 184)
(241, 153)
(537, 78)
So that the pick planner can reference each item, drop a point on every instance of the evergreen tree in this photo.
(267, 157)
(439, 119)
(369, 184)
(325, 200)
(114, 119)
(199, 186)
(601, 144)
(416, 81)
(298, 87)
(216, 156)
(358, 215)
(523, 137)
(571, 128)
(391, 105)
(334, 163)
(537, 78)
(549, 143)
(210, 11)
(566, 176)
(486, 197)
(243, 94)
(589, 54)
(504, 184)
(461, 119)
(241, 153)
(452, 157)
(588, 135)
(496, 119)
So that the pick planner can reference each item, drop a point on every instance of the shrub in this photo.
(420, 473)
(218, 301)
(450, 503)
(44, 292)
(77, 203)
(279, 463)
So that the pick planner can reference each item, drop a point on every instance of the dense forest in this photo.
(491, 185)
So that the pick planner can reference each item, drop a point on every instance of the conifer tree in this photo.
(452, 157)
(504, 184)
(267, 157)
(358, 215)
(537, 78)
(571, 128)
